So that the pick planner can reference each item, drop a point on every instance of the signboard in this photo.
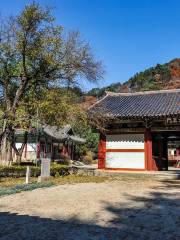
(173, 120)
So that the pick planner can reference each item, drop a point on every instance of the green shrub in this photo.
(57, 175)
(63, 170)
(66, 160)
(88, 158)
(20, 171)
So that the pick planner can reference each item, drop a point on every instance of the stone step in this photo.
(163, 175)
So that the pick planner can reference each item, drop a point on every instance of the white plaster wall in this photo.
(125, 141)
(18, 145)
(30, 154)
(125, 160)
(31, 147)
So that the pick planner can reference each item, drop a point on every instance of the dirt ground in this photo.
(115, 210)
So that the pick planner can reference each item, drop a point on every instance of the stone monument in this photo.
(45, 169)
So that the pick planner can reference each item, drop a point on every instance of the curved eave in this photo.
(143, 117)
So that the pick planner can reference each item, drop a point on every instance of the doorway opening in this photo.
(166, 150)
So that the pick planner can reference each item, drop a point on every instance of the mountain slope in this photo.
(162, 76)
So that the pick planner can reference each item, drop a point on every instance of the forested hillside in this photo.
(162, 76)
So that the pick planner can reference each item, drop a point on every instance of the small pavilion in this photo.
(49, 142)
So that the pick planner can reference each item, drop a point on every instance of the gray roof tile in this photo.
(142, 104)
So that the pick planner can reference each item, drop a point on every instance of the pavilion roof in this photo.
(58, 133)
(62, 133)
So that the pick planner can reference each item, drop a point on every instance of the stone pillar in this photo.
(28, 174)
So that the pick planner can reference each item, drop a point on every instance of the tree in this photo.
(35, 55)
(92, 138)
(59, 107)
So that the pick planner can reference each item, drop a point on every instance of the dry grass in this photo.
(10, 182)
(10, 186)
(73, 179)
(70, 179)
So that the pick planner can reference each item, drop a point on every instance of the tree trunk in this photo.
(18, 158)
(6, 146)
(6, 151)
(19, 152)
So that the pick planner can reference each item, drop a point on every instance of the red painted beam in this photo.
(125, 150)
(126, 169)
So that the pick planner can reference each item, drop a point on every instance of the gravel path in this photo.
(98, 211)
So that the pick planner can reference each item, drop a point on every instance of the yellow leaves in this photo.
(58, 108)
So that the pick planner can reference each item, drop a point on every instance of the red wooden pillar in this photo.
(102, 151)
(150, 164)
(64, 151)
(38, 150)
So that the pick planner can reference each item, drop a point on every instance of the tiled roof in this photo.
(140, 104)
(58, 133)
(62, 133)
(77, 139)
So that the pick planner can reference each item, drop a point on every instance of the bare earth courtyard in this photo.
(142, 209)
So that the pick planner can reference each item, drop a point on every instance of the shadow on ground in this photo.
(156, 217)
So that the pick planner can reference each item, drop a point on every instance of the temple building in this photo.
(48, 142)
(141, 131)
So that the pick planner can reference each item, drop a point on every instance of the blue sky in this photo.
(127, 35)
